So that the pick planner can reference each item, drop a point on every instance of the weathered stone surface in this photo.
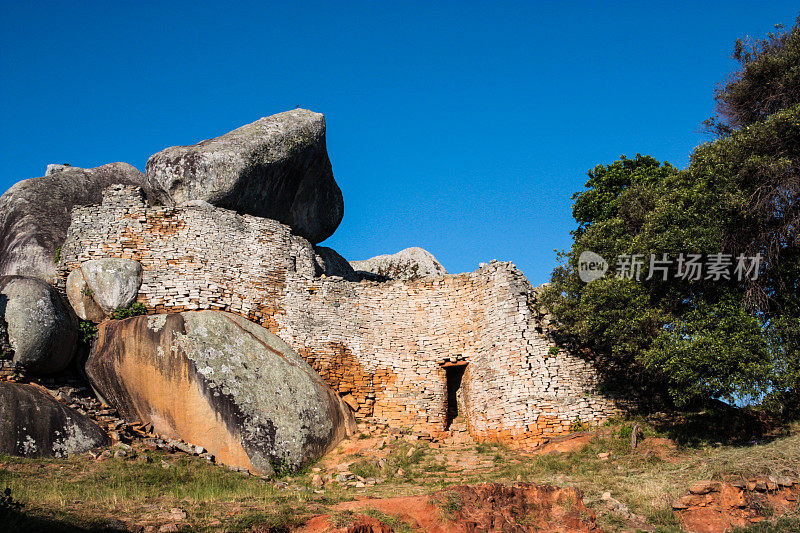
(35, 214)
(276, 167)
(54, 167)
(80, 298)
(329, 262)
(42, 331)
(411, 263)
(113, 282)
(219, 381)
(34, 424)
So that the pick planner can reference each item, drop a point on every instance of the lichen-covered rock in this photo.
(330, 263)
(81, 299)
(34, 424)
(219, 381)
(276, 167)
(112, 282)
(411, 263)
(35, 214)
(42, 331)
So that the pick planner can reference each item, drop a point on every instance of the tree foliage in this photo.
(740, 194)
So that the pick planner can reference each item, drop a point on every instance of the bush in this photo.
(135, 309)
(87, 331)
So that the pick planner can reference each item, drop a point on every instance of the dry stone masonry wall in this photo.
(389, 348)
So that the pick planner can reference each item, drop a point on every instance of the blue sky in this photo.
(463, 127)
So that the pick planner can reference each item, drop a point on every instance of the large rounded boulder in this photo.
(34, 424)
(41, 330)
(327, 261)
(109, 283)
(408, 264)
(219, 381)
(276, 167)
(35, 214)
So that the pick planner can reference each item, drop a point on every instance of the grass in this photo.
(450, 504)
(789, 523)
(80, 493)
(398, 525)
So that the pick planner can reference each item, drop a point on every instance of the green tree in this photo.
(701, 338)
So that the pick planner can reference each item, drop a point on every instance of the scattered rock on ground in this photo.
(276, 167)
(35, 214)
(221, 382)
(34, 424)
(411, 263)
(41, 330)
(716, 507)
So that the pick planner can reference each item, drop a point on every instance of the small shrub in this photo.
(8, 503)
(57, 256)
(87, 331)
(136, 309)
(554, 351)
(86, 291)
(578, 425)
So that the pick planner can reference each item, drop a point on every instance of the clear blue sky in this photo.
(463, 128)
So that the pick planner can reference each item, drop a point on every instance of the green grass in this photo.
(789, 523)
(398, 525)
(79, 492)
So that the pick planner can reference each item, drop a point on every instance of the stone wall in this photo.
(385, 346)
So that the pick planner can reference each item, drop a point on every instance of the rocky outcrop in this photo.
(35, 214)
(717, 507)
(216, 380)
(42, 332)
(330, 263)
(411, 263)
(276, 167)
(110, 282)
(34, 424)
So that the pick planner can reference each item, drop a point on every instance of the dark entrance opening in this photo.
(456, 406)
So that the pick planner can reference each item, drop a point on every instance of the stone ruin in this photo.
(230, 226)
(397, 351)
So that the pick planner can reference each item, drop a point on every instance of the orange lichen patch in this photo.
(178, 408)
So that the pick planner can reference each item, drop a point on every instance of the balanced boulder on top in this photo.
(35, 214)
(219, 381)
(276, 167)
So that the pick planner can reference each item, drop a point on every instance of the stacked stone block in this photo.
(384, 346)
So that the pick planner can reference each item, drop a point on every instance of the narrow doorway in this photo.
(456, 404)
